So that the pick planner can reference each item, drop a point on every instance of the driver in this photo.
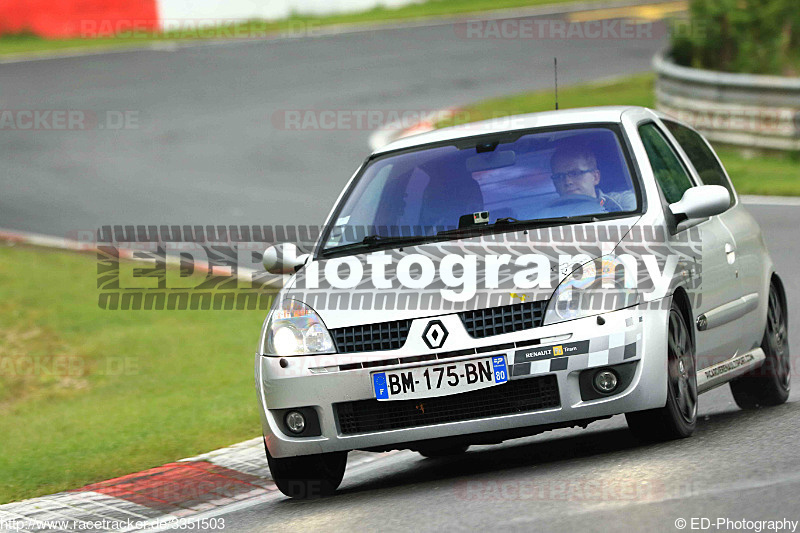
(575, 172)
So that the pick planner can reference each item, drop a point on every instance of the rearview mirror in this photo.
(701, 202)
(491, 160)
(284, 258)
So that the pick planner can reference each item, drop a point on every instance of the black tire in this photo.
(678, 418)
(769, 384)
(448, 451)
(308, 476)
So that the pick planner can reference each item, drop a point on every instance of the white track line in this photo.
(61, 243)
(790, 201)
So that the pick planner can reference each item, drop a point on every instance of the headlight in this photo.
(597, 287)
(293, 328)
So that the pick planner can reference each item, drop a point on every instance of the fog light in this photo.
(295, 421)
(605, 381)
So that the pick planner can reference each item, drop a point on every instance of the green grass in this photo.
(294, 25)
(768, 174)
(772, 174)
(88, 394)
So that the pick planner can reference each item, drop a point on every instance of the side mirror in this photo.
(284, 258)
(701, 202)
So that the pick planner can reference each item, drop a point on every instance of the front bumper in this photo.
(319, 382)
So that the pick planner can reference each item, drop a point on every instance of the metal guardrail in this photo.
(752, 111)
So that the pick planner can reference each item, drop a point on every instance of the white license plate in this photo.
(440, 380)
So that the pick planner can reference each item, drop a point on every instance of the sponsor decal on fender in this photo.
(537, 353)
(728, 367)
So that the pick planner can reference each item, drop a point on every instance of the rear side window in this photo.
(669, 172)
(701, 156)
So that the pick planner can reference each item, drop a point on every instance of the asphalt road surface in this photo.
(741, 465)
(202, 147)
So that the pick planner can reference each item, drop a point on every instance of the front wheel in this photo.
(308, 476)
(677, 419)
(770, 383)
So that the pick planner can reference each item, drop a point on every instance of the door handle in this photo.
(730, 253)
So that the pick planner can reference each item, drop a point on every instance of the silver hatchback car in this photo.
(496, 280)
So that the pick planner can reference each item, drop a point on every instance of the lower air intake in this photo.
(517, 396)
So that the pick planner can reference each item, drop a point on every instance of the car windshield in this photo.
(474, 184)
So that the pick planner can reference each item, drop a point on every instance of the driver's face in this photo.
(575, 176)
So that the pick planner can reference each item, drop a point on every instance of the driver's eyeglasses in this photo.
(572, 174)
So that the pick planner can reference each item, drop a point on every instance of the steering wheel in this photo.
(576, 201)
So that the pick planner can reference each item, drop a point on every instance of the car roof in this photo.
(581, 115)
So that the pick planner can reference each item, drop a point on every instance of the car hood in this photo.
(356, 289)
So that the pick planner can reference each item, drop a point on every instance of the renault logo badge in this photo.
(435, 334)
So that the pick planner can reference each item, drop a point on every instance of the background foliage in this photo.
(751, 36)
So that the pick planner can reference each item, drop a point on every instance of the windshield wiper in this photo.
(374, 241)
(576, 219)
(510, 222)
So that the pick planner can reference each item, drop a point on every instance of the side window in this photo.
(669, 172)
(701, 156)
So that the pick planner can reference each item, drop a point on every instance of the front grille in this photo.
(517, 396)
(490, 321)
(371, 337)
(479, 323)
